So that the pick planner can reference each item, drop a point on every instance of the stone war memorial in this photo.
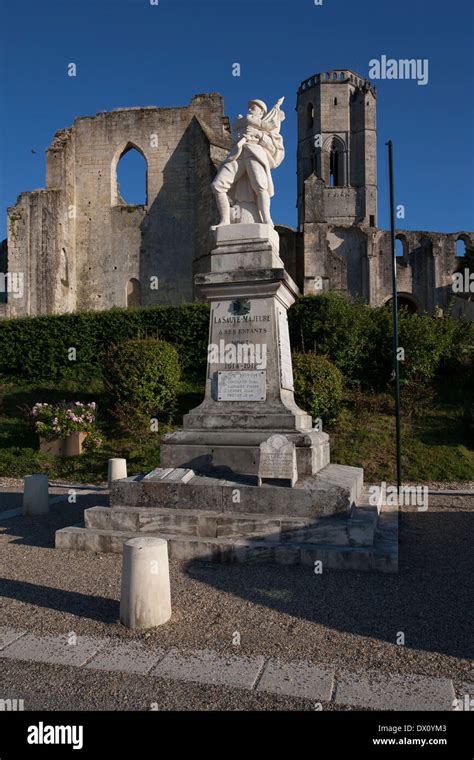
(247, 478)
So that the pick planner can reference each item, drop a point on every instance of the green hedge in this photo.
(35, 349)
(318, 386)
(354, 336)
(358, 340)
(142, 377)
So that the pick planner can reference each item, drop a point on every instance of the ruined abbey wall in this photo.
(77, 245)
(80, 246)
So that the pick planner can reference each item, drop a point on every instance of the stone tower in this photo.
(337, 145)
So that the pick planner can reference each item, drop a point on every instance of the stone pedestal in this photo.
(117, 469)
(249, 381)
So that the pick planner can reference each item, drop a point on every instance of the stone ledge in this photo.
(381, 557)
(312, 496)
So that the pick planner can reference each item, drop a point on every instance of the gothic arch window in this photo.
(129, 176)
(334, 162)
(133, 292)
(336, 165)
(461, 244)
(401, 246)
(309, 117)
(404, 301)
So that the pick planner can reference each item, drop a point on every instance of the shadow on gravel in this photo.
(10, 500)
(39, 531)
(428, 600)
(82, 605)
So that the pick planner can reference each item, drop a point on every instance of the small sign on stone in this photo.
(277, 463)
(171, 474)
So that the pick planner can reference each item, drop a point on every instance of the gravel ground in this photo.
(350, 620)
(17, 483)
(11, 494)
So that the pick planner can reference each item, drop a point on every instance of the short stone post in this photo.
(117, 470)
(35, 495)
(145, 599)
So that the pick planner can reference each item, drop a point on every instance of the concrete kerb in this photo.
(300, 679)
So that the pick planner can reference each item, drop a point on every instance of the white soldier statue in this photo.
(244, 178)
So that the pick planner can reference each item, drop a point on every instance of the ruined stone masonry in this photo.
(78, 245)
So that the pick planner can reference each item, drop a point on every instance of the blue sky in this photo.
(131, 53)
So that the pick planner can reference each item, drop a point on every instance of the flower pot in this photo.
(71, 446)
(54, 447)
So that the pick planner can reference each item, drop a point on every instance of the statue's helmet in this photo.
(260, 104)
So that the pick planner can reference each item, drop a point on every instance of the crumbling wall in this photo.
(81, 246)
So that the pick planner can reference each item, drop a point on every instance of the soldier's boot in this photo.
(223, 206)
(263, 201)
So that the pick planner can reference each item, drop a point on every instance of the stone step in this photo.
(358, 529)
(334, 490)
(383, 557)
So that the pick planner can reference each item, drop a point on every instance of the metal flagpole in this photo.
(396, 363)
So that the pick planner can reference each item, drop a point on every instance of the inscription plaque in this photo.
(277, 461)
(245, 385)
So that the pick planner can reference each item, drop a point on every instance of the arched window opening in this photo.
(132, 177)
(335, 167)
(335, 101)
(133, 292)
(399, 247)
(310, 116)
(460, 247)
(404, 301)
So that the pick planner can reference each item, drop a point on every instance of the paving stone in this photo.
(204, 666)
(53, 649)
(127, 658)
(297, 679)
(391, 691)
(7, 635)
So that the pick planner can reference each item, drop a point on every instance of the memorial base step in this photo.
(364, 539)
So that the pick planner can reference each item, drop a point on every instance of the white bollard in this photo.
(145, 599)
(117, 470)
(35, 495)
